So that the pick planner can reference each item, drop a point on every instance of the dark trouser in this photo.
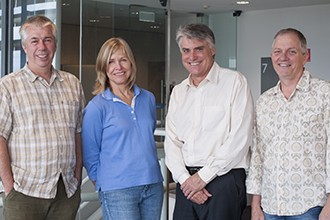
(17, 206)
(228, 199)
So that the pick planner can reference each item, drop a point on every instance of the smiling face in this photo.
(40, 47)
(288, 57)
(197, 58)
(119, 69)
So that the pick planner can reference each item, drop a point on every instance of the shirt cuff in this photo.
(206, 174)
(183, 178)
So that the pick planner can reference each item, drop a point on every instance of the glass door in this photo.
(14, 12)
(141, 26)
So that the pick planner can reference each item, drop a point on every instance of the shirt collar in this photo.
(304, 82)
(302, 85)
(33, 77)
(108, 95)
(211, 77)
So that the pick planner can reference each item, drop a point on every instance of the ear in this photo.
(307, 57)
(24, 47)
(213, 51)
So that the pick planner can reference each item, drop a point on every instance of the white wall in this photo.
(256, 30)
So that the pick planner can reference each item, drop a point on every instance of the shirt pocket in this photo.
(70, 112)
(213, 118)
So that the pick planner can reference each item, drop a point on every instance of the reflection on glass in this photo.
(141, 26)
(23, 10)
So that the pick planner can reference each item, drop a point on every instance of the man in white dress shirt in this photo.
(208, 132)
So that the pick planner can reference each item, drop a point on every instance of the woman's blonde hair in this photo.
(102, 62)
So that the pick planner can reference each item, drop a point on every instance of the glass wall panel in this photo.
(224, 26)
(17, 11)
(141, 26)
(22, 10)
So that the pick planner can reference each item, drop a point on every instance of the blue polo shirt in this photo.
(119, 150)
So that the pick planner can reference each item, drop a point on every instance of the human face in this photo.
(197, 58)
(119, 69)
(40, 47)
(287, 57)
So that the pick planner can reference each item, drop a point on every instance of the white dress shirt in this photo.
(209, 125)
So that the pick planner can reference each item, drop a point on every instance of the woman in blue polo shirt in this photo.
(119, 151)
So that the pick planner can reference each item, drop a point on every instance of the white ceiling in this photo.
(213, 6)
(121, 12)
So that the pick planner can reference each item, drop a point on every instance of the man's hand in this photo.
(201, 197)
(6, 173)
(192, 185)
(8, 190)
(256, 211)
(257, 214)
(325, 213)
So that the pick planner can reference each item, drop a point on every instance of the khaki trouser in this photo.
(17, 206)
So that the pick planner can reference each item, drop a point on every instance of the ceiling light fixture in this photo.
(94, 20)
(206, 6)
(154, 26)
(242, 2)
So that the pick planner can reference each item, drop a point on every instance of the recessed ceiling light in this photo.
(206, 6)
(154, 26)
(242, 2)
(94, 20)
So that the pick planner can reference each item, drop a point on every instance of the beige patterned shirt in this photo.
(290, 162)
(40, 120)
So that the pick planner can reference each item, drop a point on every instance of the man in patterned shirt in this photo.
(40, 123)
(290, 162)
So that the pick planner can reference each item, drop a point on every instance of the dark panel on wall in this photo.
(269, 77)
